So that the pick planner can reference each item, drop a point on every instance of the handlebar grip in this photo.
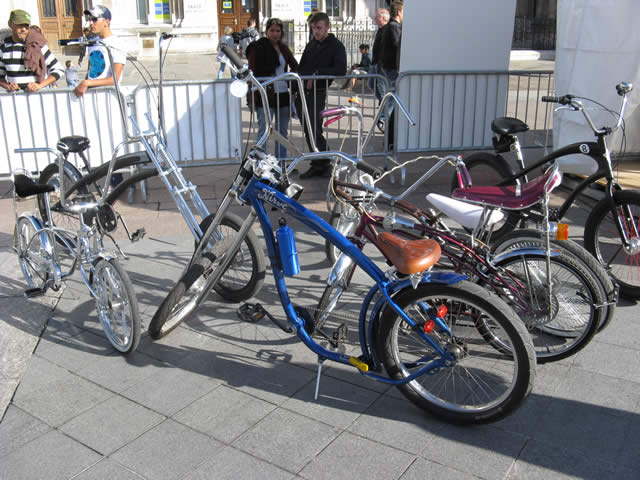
(63, 42)
(550, 99)
(233, 56)
(375, 172)
(330, 112)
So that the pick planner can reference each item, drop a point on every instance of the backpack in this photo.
(248, 35)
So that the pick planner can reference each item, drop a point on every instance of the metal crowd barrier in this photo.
(205, 125)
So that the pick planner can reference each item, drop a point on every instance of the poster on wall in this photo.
(284, 9)
(162, 10)
(309, 6)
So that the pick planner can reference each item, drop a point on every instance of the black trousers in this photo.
(316, 103)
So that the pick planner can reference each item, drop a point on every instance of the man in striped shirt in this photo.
(14, 75)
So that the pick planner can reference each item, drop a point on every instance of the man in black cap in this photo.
(101, 72)
(26, 63)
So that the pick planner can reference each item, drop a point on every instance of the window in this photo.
(142, 11)
(332, 8)
(71, 8)
(49, 8)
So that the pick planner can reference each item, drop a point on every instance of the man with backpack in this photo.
(249, 34)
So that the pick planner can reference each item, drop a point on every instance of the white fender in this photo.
(465, 214)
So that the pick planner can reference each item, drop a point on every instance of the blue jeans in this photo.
(281, 124)
(221, 71)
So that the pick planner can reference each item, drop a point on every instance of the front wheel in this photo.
(183, 299)
(245, 275)
(116, 304)
(344, 221)
(476, 383)
(601, 238)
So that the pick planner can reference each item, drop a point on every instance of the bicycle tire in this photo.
(514, 373)
(51, 176)
(83, 186)
(116, 304)
(35, 251)
(182, 300)
(602, 240)
(245, 275)
(489, 169)
(533, 238)
(574, 318)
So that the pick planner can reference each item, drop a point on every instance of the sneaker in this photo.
(381, 125)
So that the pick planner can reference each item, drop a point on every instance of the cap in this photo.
(99, 11)
(20, 17)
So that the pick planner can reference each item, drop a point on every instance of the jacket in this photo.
(324, 58)
(33, 57)
(389, 58)
(263, 61)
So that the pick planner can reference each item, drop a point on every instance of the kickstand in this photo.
(320, 363)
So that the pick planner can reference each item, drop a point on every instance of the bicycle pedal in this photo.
(138, 234)
(340, 333)
(34, 292)
(251, 312)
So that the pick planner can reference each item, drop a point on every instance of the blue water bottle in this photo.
(287, 247)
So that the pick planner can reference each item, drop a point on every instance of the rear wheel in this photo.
(523, 238)
(116, 304)
(59, 217)
(477, 384)
(35, 251)
(562, 323)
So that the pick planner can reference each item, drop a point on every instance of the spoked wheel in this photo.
(523, 238)
(562, 323)
(245, 276)
(59, 217)
(476, 383)
(601, 238)
(35, 251)
(116, 304)
(240, 281)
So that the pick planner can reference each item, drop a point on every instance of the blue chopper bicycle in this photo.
(422, 327)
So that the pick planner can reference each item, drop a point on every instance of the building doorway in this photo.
(236, 14)
(60, 19)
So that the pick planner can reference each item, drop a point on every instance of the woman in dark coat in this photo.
(269, 57)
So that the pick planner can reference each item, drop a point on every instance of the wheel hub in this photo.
(457, 349)
(542, 308)
(634, 246)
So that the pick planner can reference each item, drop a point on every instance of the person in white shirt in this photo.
(100, 72)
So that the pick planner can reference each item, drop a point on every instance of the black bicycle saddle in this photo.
(508, 125)
(73, 144)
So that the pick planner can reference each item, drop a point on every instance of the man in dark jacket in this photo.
(389, 61)
(382, 18)
(323, 55)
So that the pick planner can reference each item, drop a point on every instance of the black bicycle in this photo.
(611, 230)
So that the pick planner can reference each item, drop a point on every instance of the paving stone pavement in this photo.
(221, 398)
